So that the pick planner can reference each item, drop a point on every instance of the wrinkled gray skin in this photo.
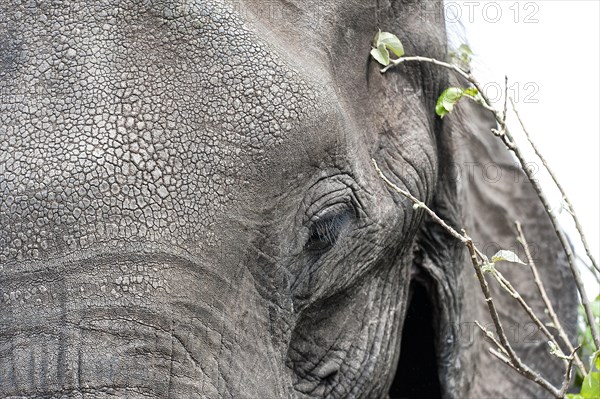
(188, 207)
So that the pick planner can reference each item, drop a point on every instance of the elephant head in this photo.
(188, 206)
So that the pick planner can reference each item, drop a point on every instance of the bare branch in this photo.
(491, 337)
(567, 379)
(401, 60)
(505, 102)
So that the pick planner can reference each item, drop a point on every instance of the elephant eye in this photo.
(326, 229)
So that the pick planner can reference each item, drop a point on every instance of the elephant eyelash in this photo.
(326, 230)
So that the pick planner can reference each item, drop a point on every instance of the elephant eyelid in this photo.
(325, 230)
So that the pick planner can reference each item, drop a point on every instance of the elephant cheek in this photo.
(126, 327)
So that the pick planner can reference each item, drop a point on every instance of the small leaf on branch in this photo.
(488, 267)
(462, 55)
(376, 38)
(449, 97)
(590, 389)
(391, 42)
(381, 55)
(508, 256)
(383, 43)
(464, 48)
(447, 100)
(595, 360)
(471, 92)
(465, 53)
(556, 351)
(590, 386)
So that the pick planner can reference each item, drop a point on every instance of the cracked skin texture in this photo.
(161, 164)
(133, 135)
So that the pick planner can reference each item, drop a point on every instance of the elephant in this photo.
(188, 207)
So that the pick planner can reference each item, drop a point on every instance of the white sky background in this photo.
(549, 50)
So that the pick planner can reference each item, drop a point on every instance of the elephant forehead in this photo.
(125, 123)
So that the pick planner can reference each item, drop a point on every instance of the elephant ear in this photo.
(483, 190)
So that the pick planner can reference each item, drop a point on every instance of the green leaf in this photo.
(447, 100)
(381, 55)
(465, 49)
(391, 42)
(465, 53)
(488, 267)
(596, 359)
(507, 256)
(590, 389)
(383, 43)
(462, 54)
(376, 39)
(574, 396)
(471, 92)
(440, 110)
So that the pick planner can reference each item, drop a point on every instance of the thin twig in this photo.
(565, 198)
(420, 204)
(491, 337)
(503, 358)
(398, 61)
(547, 303)
(567, 379)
